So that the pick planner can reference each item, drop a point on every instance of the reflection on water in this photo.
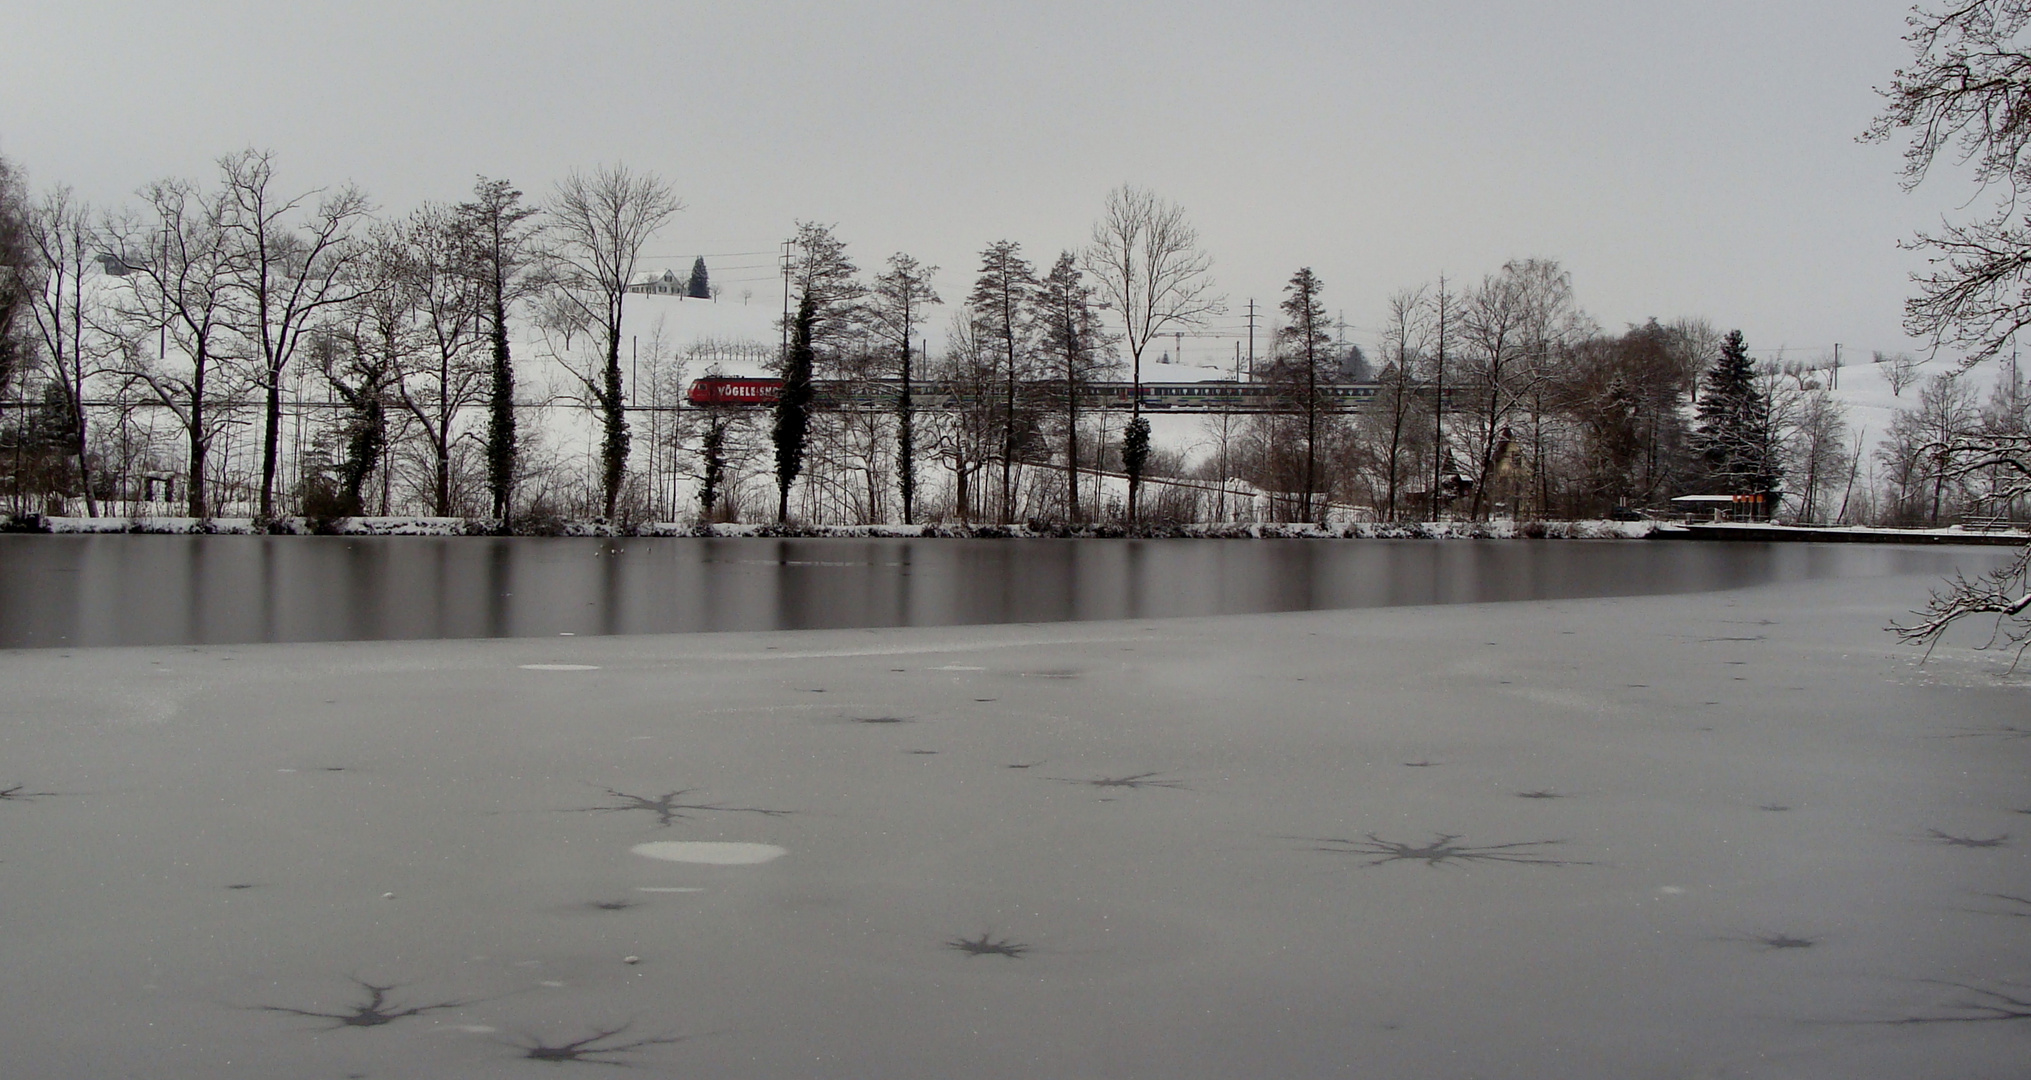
(150, 590)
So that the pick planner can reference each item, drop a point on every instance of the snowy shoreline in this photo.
(1415, 530)
(435, 526)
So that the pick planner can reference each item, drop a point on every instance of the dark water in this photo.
(158, 590)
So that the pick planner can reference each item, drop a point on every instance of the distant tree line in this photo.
(231, 345)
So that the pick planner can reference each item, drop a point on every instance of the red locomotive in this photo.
(720, 390)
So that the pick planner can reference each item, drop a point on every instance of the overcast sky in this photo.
(1683, 159)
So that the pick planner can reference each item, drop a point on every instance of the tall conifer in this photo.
(1734, 437)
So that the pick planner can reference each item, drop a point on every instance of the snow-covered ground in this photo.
(1871, 405)
(1736, 834)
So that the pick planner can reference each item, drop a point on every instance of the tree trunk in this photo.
(271, 441)
(1072, 445)
(613, 406)
(906, 438)
(194, 489)
(501, 412)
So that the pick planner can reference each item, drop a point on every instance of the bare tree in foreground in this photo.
(1967, 88)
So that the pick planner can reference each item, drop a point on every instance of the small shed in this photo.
(1755, 506)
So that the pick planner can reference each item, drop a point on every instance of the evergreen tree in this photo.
(1305, 347)
(19, 280)
(699, 287)
(1079, 348)
(793, 403)
(493, 224)
(363, 378)
(713, 462)
(1135, 450)
(597, 227)
(1001, 304)
(826, 294)
(1734, 437)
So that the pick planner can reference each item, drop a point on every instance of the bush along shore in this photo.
(444, 526)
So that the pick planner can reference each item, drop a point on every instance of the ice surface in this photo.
(1731, 834)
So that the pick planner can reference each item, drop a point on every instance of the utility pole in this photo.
(1836, 380)
(1439, 404)
(1251, 340)
(784, 356)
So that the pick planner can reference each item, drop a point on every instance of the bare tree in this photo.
(1395, 409)
(180, 264)
(1149, 268)
(1969, 87)
(969, 367)
(895, 314)
(1817, 447)
(1693, 345)
(1512, 326)
(1899, 370)
(598, 225)
(1923, 451)
(285, 273)
(425, 264)
(66, 240)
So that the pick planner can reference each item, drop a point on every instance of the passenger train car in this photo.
(935, 394)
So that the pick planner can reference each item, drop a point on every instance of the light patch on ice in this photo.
(551, 983)
(475, 1029)
(945, 646)
(558, 667)
(1670, 890)
(716, 853)
(664, 888)
(958, 667)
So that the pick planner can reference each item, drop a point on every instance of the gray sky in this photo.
(1690, 159)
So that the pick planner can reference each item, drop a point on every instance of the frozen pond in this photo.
(1733, 834)
(164, 590)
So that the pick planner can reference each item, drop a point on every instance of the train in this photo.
(713, 391)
